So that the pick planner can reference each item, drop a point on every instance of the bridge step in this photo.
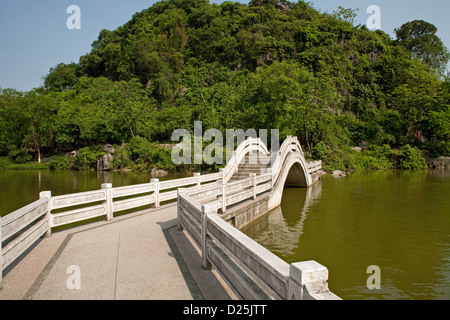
(251, 164)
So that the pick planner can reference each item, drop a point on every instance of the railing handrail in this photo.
(291, 144)
(226, 247)
(248, 145)
(108, 200)
(20, 229)
(229, 250)
(103, 202)
(23, 227)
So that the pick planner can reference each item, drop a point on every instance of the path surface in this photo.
(136, 256)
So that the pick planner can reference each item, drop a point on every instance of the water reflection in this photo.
(281, 228)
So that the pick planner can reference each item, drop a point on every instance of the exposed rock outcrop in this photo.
(438, 163)
(158, 173)
(104, 163)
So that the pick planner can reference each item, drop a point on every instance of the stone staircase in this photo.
(251, 164)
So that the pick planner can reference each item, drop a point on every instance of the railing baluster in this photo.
(224, 195)
(199, 181)
(253, 176)
(156, 192)
(108, 202)
(48, 195)
(206, 210)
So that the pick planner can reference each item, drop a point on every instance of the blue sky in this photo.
(34, 36)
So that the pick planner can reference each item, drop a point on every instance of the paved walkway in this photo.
(136, 256)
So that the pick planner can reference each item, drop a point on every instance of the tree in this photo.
(420, 38)
(129, 110)
(40, 111)
(12, 121)
(348, 15)
(62, 77)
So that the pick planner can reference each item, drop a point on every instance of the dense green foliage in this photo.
(267, 65)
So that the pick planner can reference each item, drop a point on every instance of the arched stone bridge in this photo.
(252, 185)
(210, 209)
(271, 172)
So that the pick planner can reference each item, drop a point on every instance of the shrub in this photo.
(411, 158)
(335, 159)
(60, 163)
(23, 158)
(162, 159)
(121, 159)
(146, 155)
(5, 162)
(319, 151)
(346, 159)
(139, 150)
(437, 149)
(363, 161)
(87, 158)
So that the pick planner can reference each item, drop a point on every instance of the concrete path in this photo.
(136, 256)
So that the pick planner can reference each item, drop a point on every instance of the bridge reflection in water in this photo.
(280, 230)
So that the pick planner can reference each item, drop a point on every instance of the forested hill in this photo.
(270, 64)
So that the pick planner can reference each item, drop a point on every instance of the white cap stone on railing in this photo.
(308, 280)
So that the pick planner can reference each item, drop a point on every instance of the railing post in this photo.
(253, 175)
(199, 181)
(179, 225)
(206, 210)
(224, 195)
(48, 195)
(109, 201)
(271, 177)
(156, 192)
(308, 280)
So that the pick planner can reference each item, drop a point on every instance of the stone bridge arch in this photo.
(294, 173)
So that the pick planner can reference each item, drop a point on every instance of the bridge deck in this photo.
(136, 256)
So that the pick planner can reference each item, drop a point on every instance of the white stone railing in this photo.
(20, 229)
(314, 166)
(248, 145)
(252, 270)
(291, 144)
(223, 195)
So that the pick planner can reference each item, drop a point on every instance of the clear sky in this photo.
(34, 36)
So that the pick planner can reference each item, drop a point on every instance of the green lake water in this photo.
(398, 221)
